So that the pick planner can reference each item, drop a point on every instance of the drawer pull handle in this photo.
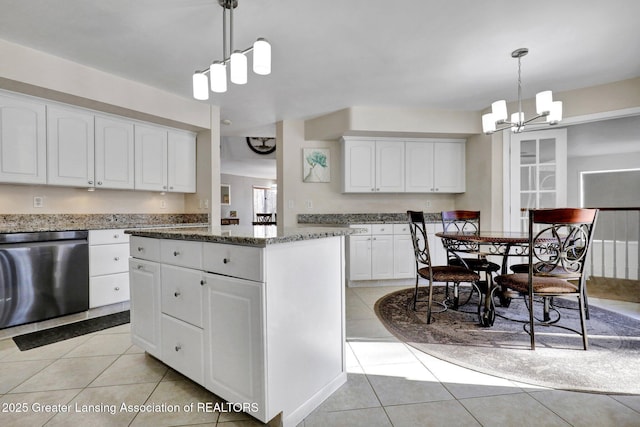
(178, 347)
(176, 253)
(226, 261)
(116, 288)
(140, 249)
(203, 282)
(176, 294)
(140, 266)
(116, 258)
(115, 236)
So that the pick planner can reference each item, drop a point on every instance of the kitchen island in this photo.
(253, 315)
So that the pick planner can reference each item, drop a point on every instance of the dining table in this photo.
(504, 244)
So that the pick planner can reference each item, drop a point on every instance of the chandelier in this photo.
(545, 107)
(237, 61)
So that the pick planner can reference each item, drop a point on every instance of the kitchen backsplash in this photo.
(55, 222)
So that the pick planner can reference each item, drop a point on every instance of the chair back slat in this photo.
(461, 220)
(419, 238)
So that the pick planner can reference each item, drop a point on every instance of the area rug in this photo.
(71, 330)
(611, 365)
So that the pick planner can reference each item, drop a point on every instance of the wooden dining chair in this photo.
(427, 271)
(465, 221)
(559, 243)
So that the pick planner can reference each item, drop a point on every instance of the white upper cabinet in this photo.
(435, 167)
(150, 158)
(114, 153)
(372, 166)
(70, 147)
(23, 143)
(165, 160)
(181, 167)
(391, 165)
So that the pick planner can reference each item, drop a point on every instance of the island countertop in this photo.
(259, 235)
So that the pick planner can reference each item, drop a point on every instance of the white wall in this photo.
(241, 189)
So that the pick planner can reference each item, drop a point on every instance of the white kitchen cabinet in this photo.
(150, 158)
(108, 267)
(181, 158)
(23, 143)
(164, 160)
(236, 368)
(435, 167)
(380, 253)
(114, 153)
(70, 147)
(372, 166)
(436, 248)
(145, 305)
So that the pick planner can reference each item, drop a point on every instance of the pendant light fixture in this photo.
(236, 62)
(545, 107)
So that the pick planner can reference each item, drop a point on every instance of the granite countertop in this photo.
(259, 235)
(24, 223)
(362, 218)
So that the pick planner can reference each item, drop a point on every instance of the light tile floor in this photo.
(389, 384)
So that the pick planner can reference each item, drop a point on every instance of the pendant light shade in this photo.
(238, 69)
(200, 86)
(261, 57)
(543, 102)
(499, 111)
(488, 123)
(218, 76)
(555, 114)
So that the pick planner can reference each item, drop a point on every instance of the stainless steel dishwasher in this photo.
(43, 275)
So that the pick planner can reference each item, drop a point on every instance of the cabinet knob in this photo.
(140, 266)
(116, 236)
(176, 294)
(203, 282)
(116, 289)
(171, 188)
(178, 347)
(99, 182)
(164, 187)
(176, 253)
(140, 249)
(116, 258)
(226, 261)
(373, 189)
(90, 182)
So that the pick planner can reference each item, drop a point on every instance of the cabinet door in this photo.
(181, 168)
(382, 256)
(436, 248)
(419, 167)
(359, 161)
(144, 288)
(234, 338)
(70, 147)
(359, 257)
(449, 167)
(390, 166)
(114, 153)
(23, 144)
(150, 158)
(404, 264)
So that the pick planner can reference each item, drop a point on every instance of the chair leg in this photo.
(415, 295)
(583, 323)
(531, 322)
(429, 301)
(456, 295)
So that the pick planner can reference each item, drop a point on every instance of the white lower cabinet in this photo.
(108, 267)
(145, 305)
(182, 347)
(234, 338)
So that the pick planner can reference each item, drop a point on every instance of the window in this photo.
(264, 200)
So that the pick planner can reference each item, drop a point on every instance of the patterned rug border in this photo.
(443, 352)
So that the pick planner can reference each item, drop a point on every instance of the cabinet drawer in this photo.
(109, 289)
(401, 229)
(182, 253)
(145, 248)
(108, 259)
(182, 293)
(107, 237)
(244, 262)
(381, 228)
(182, 348)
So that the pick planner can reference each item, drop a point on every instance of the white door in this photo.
(419, 167)
(448, 167)
(181, 158)
(359, 166)
(359, 257)
(404, 261)
(150, 158)
(23, 142)
(538, 174)
(114, 153)
(145, 305)
(70, 147)
(390, 166)
(382, 256)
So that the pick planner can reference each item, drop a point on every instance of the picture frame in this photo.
(316, 165)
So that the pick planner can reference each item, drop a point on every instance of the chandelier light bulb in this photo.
(499, 111)
(200, 87)
(238, 68)
(555, 114)
(261, 57)
(543, 102)
(488, 123)
(218, 77)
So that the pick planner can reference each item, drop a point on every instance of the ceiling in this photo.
(332, 54)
